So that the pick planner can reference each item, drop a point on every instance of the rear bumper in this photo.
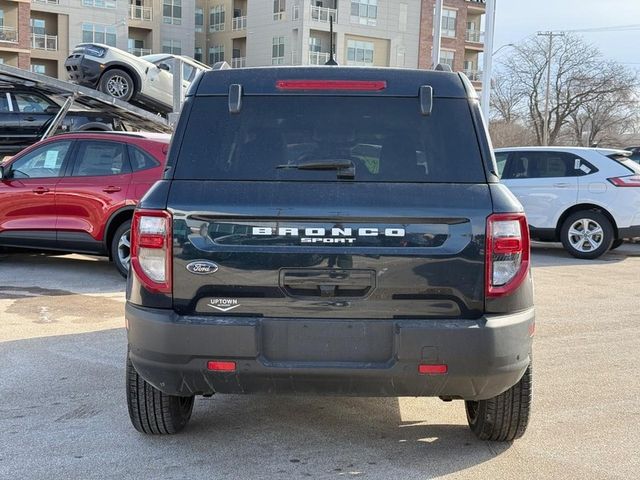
(345, 357)
(83, 71)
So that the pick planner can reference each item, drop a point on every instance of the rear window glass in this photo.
(386, 140)
(141, 160)
(627, 162)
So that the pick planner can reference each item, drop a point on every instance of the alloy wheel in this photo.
(585, 235)
(124, 249)
(118, 86)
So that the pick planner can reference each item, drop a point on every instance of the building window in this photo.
(172, 12)
(96, 33)
(172, 46)
(447, 57)
(197, 54)
(279, 9)
(199, 19)
(38, 68)
(216, 19)
(448, 23)
(38, 26)
(99, 3)
(216, 54)
(360, 53)
(277, 52)
(402, 17)
(315, 44)
(364, 12)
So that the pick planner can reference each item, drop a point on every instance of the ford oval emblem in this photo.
(202, 267)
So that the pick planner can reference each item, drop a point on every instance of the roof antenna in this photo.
(332, 60)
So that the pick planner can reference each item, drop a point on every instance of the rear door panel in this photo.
(543, 197)
(96, 187)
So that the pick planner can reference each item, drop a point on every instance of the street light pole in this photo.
(545, 120)
(437, 34)
(488, 58)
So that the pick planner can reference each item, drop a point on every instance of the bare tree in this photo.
(506, 100)
(603, 119)
(510, 134)
(579, 77)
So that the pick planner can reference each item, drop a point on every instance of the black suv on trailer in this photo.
(330, 231)
(26, 113)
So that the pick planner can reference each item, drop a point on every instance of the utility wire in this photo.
(619, 28)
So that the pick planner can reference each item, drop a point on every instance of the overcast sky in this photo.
(517, 19)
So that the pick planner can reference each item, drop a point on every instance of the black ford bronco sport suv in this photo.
(330, 231)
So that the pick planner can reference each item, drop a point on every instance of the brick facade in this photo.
(24, 34)
(465, 9)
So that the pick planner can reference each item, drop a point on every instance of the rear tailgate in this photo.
(376, 251)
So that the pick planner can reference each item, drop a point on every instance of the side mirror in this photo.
(51, 109)
(2, 177)
(165, 67)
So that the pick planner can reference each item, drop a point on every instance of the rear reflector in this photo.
(627, 181)
(346, 85)
(429, 369)
(221, 366)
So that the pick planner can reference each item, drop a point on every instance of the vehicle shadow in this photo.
(58, 274)
(554, 255)
(80, 419)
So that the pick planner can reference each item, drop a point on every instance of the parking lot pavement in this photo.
(63, 413)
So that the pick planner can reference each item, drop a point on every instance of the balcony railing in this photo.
(144, 14)
(239, 23)
(322, 14)
(474, 36)
(46, 2)
(138, 52)
(318, 58)
(239, 62)
(41, 41)
(474, 75)
(8, 34)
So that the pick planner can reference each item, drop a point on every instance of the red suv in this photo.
(77, 192)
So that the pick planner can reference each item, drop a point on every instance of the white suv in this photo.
(147, 80)
(587, 198)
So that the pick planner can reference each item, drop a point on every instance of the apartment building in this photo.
(462, 40)
(296, 32)
(39, 34)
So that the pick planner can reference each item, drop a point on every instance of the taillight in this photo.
(627, 181)
(507, 253)
(151, 249)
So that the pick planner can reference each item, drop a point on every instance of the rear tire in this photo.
(153, 412)
(118, 84)
(505, 417)
(121, 248)
(617, 243)
(587, 234)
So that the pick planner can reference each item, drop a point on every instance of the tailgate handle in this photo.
(327, 283)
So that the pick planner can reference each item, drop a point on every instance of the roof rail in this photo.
(443, 67)
(221, 66)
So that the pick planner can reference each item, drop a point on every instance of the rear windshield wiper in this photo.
(346, 168)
